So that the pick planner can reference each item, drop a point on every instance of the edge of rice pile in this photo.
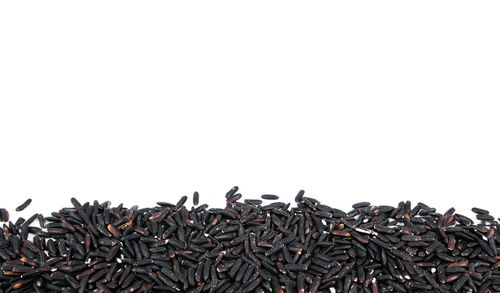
(251, 245)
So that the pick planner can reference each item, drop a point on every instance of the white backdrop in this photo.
(139, 102)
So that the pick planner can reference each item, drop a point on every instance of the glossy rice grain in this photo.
(24, 205)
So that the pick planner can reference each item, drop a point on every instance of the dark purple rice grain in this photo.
(246, 247)
(196, 198)
(362, 204)
(299, 196)
(253, 201)
(23, 205)
(4, 215)
(270, 196)
(480, 211)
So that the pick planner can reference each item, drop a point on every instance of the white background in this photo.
(145, 101)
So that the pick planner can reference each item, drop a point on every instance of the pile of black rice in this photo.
(250, 246)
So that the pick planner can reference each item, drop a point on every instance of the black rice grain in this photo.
(4, 215)
(24, 205)
(269, 196)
